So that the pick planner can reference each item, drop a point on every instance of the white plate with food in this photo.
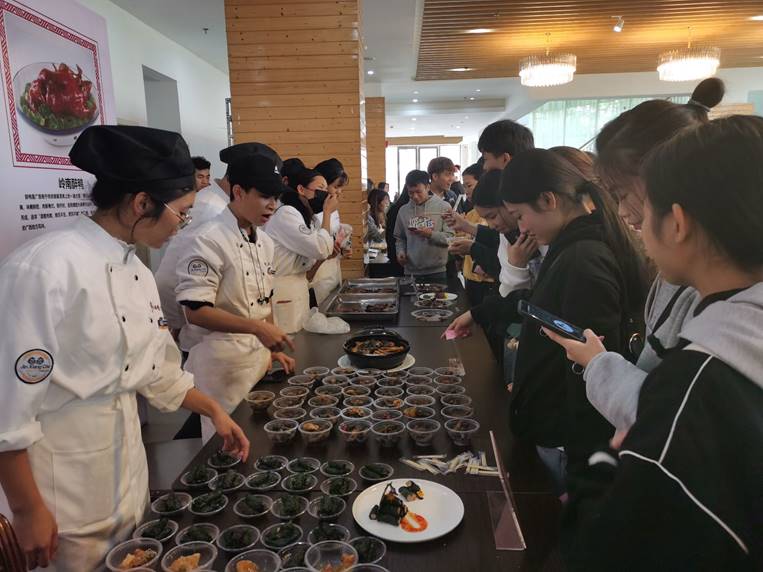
(409, 360)
(432, 315)
(435, 515)
(447, 296)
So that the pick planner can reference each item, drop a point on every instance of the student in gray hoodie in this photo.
(612, 382)
(421, 235)
(683, 492)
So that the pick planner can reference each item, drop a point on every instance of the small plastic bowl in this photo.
(328, 413)
(356, 413)
(293, 556)
(368, 568)
(207, 551)
(348, 372)
(425, 371)
(332, 390)
(400, 374)
(238, 528)
(358, 401)
(418, 380)
(211, 474)
(378, 548)
(281, 431)
(323, 401)
(447, 380)
(260, 400)
(288, 402)
(366, 475)
(355, 431)
(276, 509)
(273, 479)
(419, 390)
(293, 413)
(371, 372)
(389, 392)
(172, 528)
(291, 539)
(208, 527)
(461, 430)
(353, 390)
(330, 555)
(158, 505)
(315, 504)
(390, 382)
(418, 412)
(336, 381)
(365, 380)
(303, 465)
(442, 390)
(447, 371)
(301, 381)
(457, 399)
(342, 533)
(422, 431)
(271, 463)
(338, 468)
(326, 486)
(315, 431)
(243, 510)
(294, 391)
(389, 403)
(317, 372)
(388, 433)
(221, 464)
(386, 415)
(264, 560)
(120, 551)
(420, 401)
(211, 512)
(457, 412)
(237, 484)
(291, 483)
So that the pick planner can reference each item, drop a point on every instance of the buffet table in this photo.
(471, 545)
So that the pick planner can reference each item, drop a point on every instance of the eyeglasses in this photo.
(185, 219)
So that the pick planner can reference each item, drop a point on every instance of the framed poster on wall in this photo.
(56, 81)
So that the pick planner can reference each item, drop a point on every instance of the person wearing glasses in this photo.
(85, 334)
(225, 284)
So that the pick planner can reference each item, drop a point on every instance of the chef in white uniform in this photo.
(209, 203)
(300, 246)
(84, 334)
(328, 276)
(225, 284)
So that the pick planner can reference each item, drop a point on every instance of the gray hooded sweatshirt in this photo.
(425, 255)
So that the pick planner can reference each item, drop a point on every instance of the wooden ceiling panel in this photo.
(583, 27)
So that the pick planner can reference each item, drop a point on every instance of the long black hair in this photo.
(375, 199)
(534, 172)
(715, 172)
(294, 199)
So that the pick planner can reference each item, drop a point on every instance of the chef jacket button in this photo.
(241, 246)
(251, 303)
(247, 274)
(127, 367)
(136, 277)
(151, 320)
(124, 319)
(153, 367)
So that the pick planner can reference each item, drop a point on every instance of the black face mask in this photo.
(316, 203)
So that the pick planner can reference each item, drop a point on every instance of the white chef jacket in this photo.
(222, 267)
(84, 333)
(209, 203)
(329, 274)
(297, 247)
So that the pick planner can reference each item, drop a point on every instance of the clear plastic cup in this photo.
(330, 553)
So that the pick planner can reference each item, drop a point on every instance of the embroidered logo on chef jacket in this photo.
(34, 366)
(304, 230)
(197, 267)
(162, 323)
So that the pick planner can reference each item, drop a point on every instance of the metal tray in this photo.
(360, 301)
(391, 280)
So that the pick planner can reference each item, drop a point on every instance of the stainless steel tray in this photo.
(358, 303)
(371, 281)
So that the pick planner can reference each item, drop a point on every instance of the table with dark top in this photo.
(471, 545)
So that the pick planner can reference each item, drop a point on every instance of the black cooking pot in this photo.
(378, 362)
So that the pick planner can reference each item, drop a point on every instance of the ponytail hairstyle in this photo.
(624, 142)
(581, 160)
(538, 171)
(292, 198)
(290, 168)
(715, 172)
(375, 199)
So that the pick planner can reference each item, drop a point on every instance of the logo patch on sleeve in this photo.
(197, 267)
(34, 366)
(304, 230)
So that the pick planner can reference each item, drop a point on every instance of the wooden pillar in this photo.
(297, 85)
(376, 142)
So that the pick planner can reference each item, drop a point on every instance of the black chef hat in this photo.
(332, 169)
(230, 154)
(259, 172)
(142, 158)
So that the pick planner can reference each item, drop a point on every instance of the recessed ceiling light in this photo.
(415, 93)
(480, 30)
(757, 18)
(460, 69)
(413, 119)
(370, 72)
(478, 90)
(458, 127)
(472, 98)
(414, 100)
(466, 117)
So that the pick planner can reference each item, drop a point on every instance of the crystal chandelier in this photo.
(547, 69)
(689, 63)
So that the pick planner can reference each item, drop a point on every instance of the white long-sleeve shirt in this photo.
(297, 246)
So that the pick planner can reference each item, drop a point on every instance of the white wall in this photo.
(202, 88)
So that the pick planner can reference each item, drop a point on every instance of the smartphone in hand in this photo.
(553, 323)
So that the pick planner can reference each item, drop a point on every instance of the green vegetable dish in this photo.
(369, 549)
(253, 505)
(290, 505)
(229, 480)
(302, 466)
(341, 486)
(329, 506)
(237, 538)
(337, 468)
(300, 482)
(209, 502)
(270, 463)
(222, 459)
(197, 534)
(170, 503)
(160, 530)
(326, 531)
(282, 535)
(375, 471)
(263, 480)
(199, 475)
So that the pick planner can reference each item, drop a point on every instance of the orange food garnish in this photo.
(413, 522)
